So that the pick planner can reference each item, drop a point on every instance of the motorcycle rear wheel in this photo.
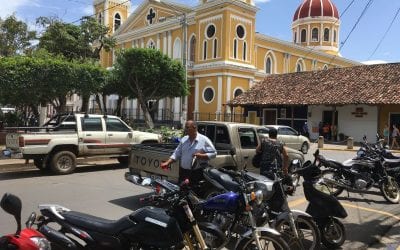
(332, 175)
(390, 190)
(267, 240)
(333, 233)
(310, 237)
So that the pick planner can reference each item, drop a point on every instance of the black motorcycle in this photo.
(323, 207)
(358, 174)
(297, 227)
(146, 228)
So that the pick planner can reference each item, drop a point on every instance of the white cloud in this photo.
(13, 6)
(374, 62)
(261, 1)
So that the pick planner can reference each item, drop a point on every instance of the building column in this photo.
(165, 43)
(169, 44)
(228, 92)
(219, 97)
(196, 97)
(158, 42)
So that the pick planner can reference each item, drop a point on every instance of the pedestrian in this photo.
(305, 130)
(386, 133)
(274, 155)
(193, 144)
(326, 131)
(320, 129)
(395, 136)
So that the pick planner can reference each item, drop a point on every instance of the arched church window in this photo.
(235, 48)
(334, 36)
(303, 36)
(244, 51)
(315, 35)
(326, 34)
(117, 21)
(237, 92)
(205, 50)
(215, 49)
(268, 66)
(192, 54)
(151, 44)
(300, 66)
(100, 18)
(177, 51)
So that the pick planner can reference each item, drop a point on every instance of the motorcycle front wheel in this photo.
(332, 175)
(333, 233)
(267, 241)
(390, 190)
(309, 235)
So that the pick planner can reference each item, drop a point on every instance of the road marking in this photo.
(370, 210)
(300, 201)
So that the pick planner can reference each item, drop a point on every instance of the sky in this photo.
(365, 35)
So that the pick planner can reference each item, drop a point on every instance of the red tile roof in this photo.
(366, 84)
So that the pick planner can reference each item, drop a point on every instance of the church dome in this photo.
(316, 8)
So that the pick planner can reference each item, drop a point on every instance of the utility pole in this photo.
(185, 59)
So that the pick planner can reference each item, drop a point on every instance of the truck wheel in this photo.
(63, 162)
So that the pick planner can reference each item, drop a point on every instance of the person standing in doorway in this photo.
(386, 133)
(305, 130)
(395, 136)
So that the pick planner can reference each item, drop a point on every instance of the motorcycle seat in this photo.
(223, 179)
(97, 224)
(392, 161)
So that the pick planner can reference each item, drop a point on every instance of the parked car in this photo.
(289, 136)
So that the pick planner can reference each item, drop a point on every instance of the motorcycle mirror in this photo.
(12, 205)
(146, 182)
(316, 153)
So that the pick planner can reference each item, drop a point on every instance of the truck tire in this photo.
(63, 162)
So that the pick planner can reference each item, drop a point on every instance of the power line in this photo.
(386, 32)
(358, 20)
(353, 28)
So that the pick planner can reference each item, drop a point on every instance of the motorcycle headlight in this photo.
(257, 196)
(41, 243)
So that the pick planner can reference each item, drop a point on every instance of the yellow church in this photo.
(218, 44)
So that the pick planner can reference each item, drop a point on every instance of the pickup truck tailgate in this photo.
(12, 141)
(146, 159)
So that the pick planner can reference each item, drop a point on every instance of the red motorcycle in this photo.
(27, 238)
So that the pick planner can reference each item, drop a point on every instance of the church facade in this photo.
(222, 52)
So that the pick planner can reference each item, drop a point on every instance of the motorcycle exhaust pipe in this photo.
(55, 237)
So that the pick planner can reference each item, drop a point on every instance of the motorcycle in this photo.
(297, 228)
(323, 207)
(358, 175)
(228, 211)
(24, 239)
(146, 228)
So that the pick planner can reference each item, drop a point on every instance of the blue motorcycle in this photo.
(231, 211)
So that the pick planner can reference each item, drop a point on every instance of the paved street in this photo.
(99, 188)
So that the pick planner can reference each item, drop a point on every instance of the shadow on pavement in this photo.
(367, 233)
(30, 172)
(131, 202)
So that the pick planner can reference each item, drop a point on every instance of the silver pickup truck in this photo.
(56, 145)
(145, 160)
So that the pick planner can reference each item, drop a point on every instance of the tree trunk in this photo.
(85, 103)
(147, 117)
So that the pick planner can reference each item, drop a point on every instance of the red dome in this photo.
(316, 8)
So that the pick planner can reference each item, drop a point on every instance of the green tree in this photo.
(148, 75)
(15, 38)
(31, 81)
(75, 42)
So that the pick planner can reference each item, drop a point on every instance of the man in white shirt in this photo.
(192, 145)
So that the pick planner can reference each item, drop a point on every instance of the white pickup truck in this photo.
(62, 139)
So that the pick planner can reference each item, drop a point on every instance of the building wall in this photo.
(348, 123)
